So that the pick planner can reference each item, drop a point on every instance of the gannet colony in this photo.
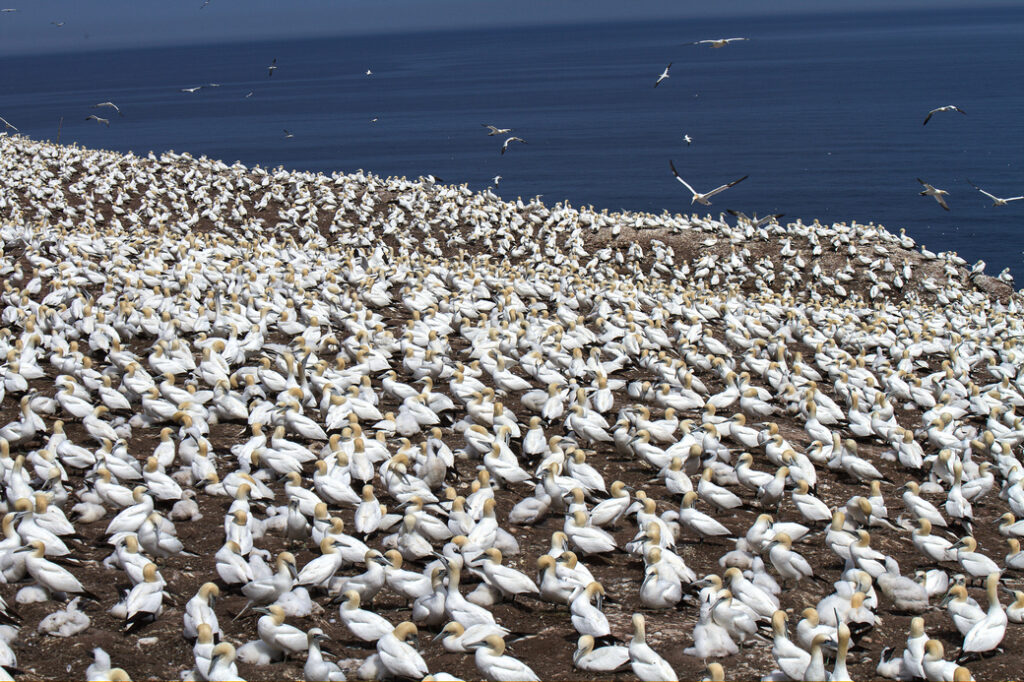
(264, 424)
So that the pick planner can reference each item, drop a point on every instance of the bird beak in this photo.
(439, 636)
(262, 609)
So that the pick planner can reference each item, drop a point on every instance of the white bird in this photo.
(703, 198)
(937, 194)
(988, 632)
(791, 658)
(602, 660)
(316, 668)
(718, 42)
(492, 662)
(94, 117)
(222, 664)
(510, 141)
(646, 663)
(199, 610)
(108, 104)
(49, 575)
(144, 603)
(366, 625)
(948, 107)
(496, 131)
(400, 657)
(664, 75)
(996, 201)
(277, 634)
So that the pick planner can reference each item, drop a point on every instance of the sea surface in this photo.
(823, 112)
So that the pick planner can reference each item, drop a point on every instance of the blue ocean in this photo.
(824, 113)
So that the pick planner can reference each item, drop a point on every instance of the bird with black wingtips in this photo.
(718, 42)
(663, 76)
(509, 141)
(996, 201)
(937, 194)
(702, 198)
(948, 107)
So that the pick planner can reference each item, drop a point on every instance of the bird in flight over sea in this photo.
(272, 67)
(496, 131)
(697, 196)
(58, 24)
(11, 9)
(496, 180)
(251, 93)
(687, 139)
(195, 89)
(937, 194)
(108, 104)
(8, 124)
(948, 107)
(718, 42)
(369, 72)
(288, 133)
(664, 75)
(996, 201)
(94, 117)
(510, 141)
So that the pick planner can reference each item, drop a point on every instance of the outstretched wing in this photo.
(990, 196)
(725, 187)
(685, 183)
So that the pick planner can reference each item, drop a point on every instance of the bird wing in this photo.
(769, 218)
(725, 187)
(956, 108)
(942, 201)
(990, 196)
(928, 118)
(7, 124)
(926, 185)
(685, 183)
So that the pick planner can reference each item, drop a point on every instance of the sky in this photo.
(138, 23)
